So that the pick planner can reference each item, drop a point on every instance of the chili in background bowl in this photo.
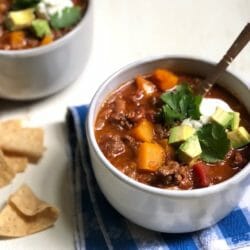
(171, 211)
(38, 72)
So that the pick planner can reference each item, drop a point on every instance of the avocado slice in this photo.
(180, 133)
(190, 149)
(20, 19)
(239, 137)
(41, 27)
(235, 122)
(222, 117)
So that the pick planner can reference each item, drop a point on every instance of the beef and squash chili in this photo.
(152, 129)
(26, 24)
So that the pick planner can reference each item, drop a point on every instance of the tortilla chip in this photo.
(25, 214)
(10, 124)
(23, 141)
(6, 172)
(17, 163)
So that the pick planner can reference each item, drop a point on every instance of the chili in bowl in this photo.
(164, 157)
(29, 24)
(44, 45)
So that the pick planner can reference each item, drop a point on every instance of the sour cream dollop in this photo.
(48, 8)
(207, 108)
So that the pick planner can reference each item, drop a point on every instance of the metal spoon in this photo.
(234, 50)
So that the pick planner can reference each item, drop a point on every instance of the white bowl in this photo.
(42, 71)
(172, 211)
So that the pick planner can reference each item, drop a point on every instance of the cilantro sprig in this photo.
(180, 104)
(214, 142)
(22, 4)
(67, 18)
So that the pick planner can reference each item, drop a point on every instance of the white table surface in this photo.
(124, 31)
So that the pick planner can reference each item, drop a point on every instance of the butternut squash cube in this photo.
(150, 156)
(165, 79)
(146, 86)
(47, 40)
(17, 39)
(144, 131)
(169, 149)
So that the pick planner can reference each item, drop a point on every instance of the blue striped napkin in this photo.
(99, 226)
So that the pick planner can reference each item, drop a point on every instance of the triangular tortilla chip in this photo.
(10, 124)
(23, 141)
(25, 214)
(6, 172)
(17, 163)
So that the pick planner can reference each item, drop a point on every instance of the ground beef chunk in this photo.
(32, 42)
(175, 174)
(120, 121)
(161, 132)
(131, 143)
(137, 97)
(152, 115)
(106, 114)
(4, 6)
(112, 145)
(2, 18)
(145, 178)
(136, 115)
(240, 157)
(100, 123)
(156, 101)
(57, 34)
(118, 117)
(130, 170)
(123, 119)
(120, 106)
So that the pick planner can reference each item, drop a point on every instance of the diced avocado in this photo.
(222, 117)
(20, 19)
(190, 149)
(239, 137)
(180, 133)
(41, 27)
(235, 122)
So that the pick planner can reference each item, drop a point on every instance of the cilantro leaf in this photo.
(67, 18)
(214, 142)
(169, 115)
(180, 104)
(22, 4)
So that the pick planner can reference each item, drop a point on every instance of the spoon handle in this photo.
(234, 50)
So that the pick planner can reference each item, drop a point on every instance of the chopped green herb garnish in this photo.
(67, 18)
(214, 142)
(180, 104)
(22, 4)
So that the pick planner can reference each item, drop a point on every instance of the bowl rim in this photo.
(234, 180)
(55, 44)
